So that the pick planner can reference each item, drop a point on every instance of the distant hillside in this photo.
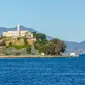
(3, 29)
(75, 45)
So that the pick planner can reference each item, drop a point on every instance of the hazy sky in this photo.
(64, 19)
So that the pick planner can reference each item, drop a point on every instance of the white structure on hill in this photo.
(18, 33)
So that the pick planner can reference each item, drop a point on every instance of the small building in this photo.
(42, 54)
(18, 33)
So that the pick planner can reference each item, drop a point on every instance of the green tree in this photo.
(40, 42)
(40, 37)
(34, 34)
(28, 49)
(10, 44)
(25, 41)
(54, 47)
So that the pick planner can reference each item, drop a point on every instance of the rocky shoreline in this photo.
(31, 56)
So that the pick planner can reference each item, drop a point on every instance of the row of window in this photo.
(17, 33)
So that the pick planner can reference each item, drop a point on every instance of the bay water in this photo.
(42, 71)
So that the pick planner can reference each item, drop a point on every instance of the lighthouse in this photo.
(18, 30)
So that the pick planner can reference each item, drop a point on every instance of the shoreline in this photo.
(31, 56)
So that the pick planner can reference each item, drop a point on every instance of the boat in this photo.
(74, 55)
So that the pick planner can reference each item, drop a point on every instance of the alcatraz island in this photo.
(29, 44)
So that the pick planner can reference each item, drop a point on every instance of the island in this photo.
(23, 43)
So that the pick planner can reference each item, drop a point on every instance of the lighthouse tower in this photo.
(18, 30)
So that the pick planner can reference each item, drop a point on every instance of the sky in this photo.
(63, 19)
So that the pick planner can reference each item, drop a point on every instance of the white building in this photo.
(18, 33)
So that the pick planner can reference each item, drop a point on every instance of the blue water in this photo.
(42, 71)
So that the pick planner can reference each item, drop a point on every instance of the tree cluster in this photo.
(51, 47)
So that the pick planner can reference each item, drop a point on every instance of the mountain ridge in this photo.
(75, 45)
